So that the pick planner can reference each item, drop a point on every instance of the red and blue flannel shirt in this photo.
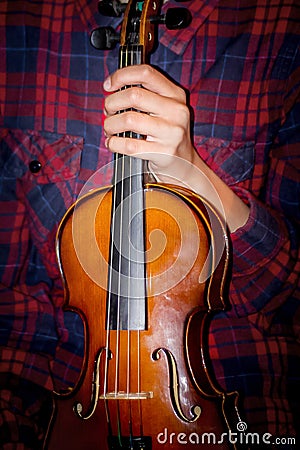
(240, 61)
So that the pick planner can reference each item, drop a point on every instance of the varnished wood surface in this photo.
(178, 238)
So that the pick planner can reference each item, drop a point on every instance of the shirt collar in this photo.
(88, 13)
(177, 40)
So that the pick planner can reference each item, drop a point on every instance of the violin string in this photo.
(138, 53)
(121, 231)
(120, 181)
(129, 282)
(110, 273)
(129, 259)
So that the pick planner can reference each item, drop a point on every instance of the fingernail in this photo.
(107, 84)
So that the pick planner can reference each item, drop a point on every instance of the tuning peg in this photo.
(111, 8)
(104, 38)
(175, 18)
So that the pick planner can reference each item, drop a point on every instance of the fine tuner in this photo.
(106, 38)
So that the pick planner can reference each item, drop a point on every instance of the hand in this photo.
(160, 113)
(163, 117)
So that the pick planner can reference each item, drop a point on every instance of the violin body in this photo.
(148, 388)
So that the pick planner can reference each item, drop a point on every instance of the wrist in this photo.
(196, 176)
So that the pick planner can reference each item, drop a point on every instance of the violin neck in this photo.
(125, 166)
(126, 303)
(131, 55)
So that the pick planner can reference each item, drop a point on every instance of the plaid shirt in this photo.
(241, 65)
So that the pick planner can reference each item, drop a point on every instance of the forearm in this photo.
(198, 177)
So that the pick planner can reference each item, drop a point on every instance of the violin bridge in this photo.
(126, 395)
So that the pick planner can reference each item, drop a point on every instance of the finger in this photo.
(132, 121)
(146, 101)
(162, 164)
(139, 148)
(146, 76)
(156, 129)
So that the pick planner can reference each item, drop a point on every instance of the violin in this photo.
(145, 264)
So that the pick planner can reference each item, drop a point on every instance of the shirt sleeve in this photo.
(266, 249)
(264, 171)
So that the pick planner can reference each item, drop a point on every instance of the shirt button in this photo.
(35, 166)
